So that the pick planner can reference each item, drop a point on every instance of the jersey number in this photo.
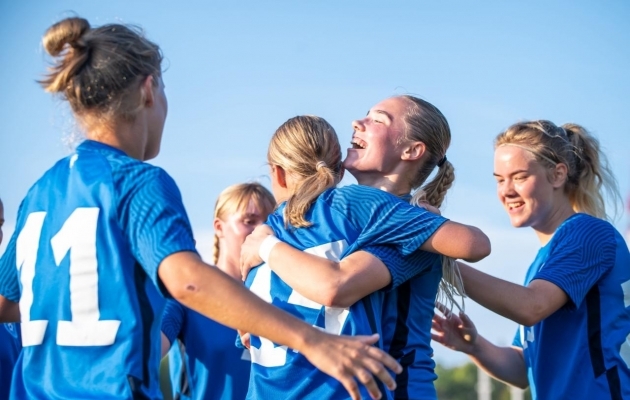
(77, 236)
(270, 355)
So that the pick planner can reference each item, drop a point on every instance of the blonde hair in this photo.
(308, 150)
(235, 199)
(425, 123)
(589, 176)
(99, 70)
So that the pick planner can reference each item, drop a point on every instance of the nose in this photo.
(357, 125)
(506, 188)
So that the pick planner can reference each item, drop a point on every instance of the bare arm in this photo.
(459, 333)
(9, 310)
(214, 294)
(526, 305)
(457, 240)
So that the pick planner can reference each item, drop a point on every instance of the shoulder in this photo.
(360, 197)
(584, 228)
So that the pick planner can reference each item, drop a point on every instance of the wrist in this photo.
(266, 246)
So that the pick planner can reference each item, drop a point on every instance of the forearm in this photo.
(503, 363)
(214, 294)
(515, 302)
(316, 278)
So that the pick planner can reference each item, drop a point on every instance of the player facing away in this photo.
(204, 364)
(102, 236)
(395, 148)
(314, 216)
(572, 342)
(9, 341)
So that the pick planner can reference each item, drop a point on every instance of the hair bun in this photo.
(67, 31)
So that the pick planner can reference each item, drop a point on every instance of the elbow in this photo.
(334, 295)
(531, 315)
(480, 248)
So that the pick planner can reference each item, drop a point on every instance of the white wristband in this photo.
(266, 246)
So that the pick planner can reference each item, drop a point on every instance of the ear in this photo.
(559, 175)
(147, 91)
(278, 173)
(413, 151)
(218, 228)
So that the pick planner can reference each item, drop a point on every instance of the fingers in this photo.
(351, 386)
(369, 340)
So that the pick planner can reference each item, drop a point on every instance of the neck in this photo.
(390, 183)
(124, 136)
(546, 230)
(229, 266)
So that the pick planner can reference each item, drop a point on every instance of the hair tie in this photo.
(442, 161)
(320, 164)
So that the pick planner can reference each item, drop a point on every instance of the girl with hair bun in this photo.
(103, 237)
(205, 364)
(572, 342)
(395, 147)
(383, 238)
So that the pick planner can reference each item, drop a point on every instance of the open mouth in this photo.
(515, 205)
(358, 144)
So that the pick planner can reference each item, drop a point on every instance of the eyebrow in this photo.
(385, 113)
(513, 173)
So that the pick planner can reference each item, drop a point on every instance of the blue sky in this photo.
(236, 70)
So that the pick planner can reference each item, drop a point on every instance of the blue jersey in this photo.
(83, 263)
(344, 220)
(582, 351)
(10, 347)
(407, 316)
(203, 362)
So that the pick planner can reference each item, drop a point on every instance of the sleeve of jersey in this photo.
(401, 268)
(157, 225)
(583, 253)
(9, 285)
(385, 219)
(172, 320)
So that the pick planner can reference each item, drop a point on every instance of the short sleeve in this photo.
(385, 219)
(582, 252)
(154, 220)
(402, 268)
(9, 284)
(172, 320)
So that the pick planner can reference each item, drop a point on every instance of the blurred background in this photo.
(237, 70)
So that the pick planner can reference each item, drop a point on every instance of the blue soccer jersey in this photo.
(344, 220)
(582, 351)
(407, 316)
(203, 362)
(83, 263)
(10, 347)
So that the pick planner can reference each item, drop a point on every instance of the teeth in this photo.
(358, 143)
(514, 205)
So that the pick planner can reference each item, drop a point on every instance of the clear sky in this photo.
(237, 70)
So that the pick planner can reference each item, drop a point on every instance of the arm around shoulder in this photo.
(457, 240)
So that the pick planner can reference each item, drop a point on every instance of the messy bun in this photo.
(98, 70)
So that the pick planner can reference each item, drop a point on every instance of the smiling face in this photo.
(523, 187)
(376, 138)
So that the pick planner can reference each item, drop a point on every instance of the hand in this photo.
(245, 338)
(455, 332)
(351, 359)
(250, 249)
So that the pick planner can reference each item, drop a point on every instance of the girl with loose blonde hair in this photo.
(572, 310)
(366, 239)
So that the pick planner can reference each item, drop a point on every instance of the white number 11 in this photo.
(77, 236)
